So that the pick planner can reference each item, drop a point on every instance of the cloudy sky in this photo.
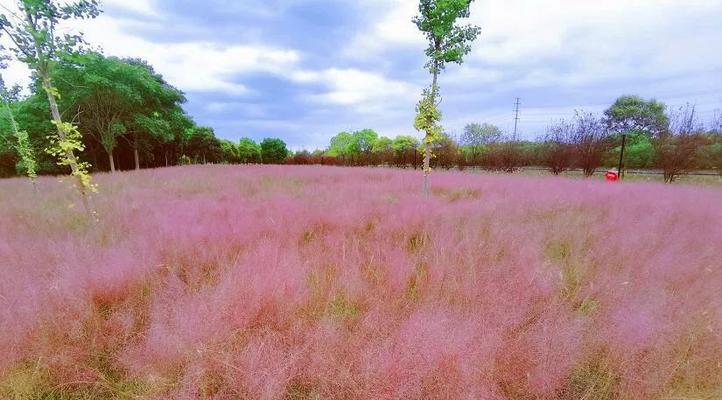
(303, 70)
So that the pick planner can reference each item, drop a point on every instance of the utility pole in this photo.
(516, 118)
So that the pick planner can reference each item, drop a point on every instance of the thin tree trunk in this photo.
(73, 161)
(44, 74)
(427, 147)
(137, 158)
(112, 162)
(58, 121)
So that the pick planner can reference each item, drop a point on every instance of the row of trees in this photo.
(128, 117)
(674, 143)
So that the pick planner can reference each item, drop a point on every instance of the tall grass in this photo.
(218, 282)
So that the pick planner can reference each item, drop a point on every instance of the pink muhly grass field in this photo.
(228, 282)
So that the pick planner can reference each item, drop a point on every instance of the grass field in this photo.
(228, 282)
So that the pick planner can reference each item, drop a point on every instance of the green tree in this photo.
(273, 151)
(249, 151)
(382, 144)
(476, 137)
(229, 152)
(341, 145)
(448, 42)
(161, 107)
(403, 143)
(202, 146)
(405, 150)
(23, 147)
(363, 141)
(710, 155)
(117, 99)
(382, 150)
(638, 152)
(633, 114)
(37, 43)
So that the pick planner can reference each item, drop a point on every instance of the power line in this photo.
(516, 118)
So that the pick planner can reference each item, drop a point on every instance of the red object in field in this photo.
(612, 175)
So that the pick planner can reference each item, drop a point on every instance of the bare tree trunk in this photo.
(136, 156)
(112, 162)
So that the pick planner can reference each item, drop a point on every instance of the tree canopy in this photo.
(273, 151)
(631, 114)
(116, 99)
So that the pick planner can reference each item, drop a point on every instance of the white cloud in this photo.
(365, 91)
(143, 7)
(191, 65)
(572, 42)
(393, 29)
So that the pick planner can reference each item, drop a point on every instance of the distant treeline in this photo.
(130, 117)
(674, 142)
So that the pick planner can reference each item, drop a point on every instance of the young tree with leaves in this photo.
(448, 42)
(273, 151)
(633, 114)
(34, 34)
(22, 141)
(249, 152)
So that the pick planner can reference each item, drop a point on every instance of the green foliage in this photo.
(229, 151)
(249, 151)
(37, 44)
(202, 146)
(428, 117)
(118, 98)
(638, 152)
(403, 143)
(363, 141)
(273, 151)
(27, 163)
(477, 137)
(346, 144)
(63, 145)
(341, 145)
(710, 156)
(36, 39)
(633, 114)
(448, 41)
(382, 145)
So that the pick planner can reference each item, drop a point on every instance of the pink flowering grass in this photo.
(227, 282)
